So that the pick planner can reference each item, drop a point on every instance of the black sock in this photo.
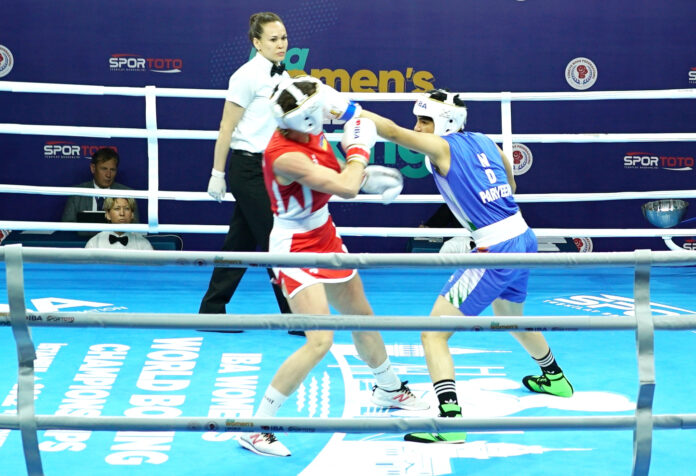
(446, 391)
(548, 364)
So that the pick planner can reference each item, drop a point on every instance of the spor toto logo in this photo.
(647, 160)
(690, 244)
(522, 159)
(130, 62)
(6, 61)
(581, 73)
(70, 150)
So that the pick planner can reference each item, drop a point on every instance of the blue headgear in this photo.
(308, 115)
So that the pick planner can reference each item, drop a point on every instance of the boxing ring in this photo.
(144, 423)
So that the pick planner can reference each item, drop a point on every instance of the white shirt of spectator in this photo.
(136, 241)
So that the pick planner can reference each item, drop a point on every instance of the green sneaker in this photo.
(553, 384)
(448, 410)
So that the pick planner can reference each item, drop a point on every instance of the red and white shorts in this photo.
(323, 239)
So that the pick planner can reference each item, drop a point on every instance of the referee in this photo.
(245, 128)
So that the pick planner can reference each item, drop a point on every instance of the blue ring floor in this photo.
(142, 372)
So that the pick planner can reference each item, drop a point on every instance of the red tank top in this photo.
(296, 200)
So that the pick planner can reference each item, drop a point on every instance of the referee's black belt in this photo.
(246, 153)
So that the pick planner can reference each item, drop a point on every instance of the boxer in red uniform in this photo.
(301, 173)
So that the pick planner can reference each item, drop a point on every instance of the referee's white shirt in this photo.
(251, 87)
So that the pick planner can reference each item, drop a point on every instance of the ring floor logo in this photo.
(147, 375)
(611, 305)
(485, 391)
(155, 373)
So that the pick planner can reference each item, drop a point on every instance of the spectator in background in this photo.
(119, 210)
(104, 166)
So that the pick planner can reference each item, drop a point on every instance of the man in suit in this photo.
(104, 166)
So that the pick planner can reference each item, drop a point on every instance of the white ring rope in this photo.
(364, 198)
(348, 260)
(60, 88)
(152, 134)
(352, 425)
(131, 320)
(383, 232)
(126, 132)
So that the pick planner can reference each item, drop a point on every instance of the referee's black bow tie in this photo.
(277, 68)
(121, 239)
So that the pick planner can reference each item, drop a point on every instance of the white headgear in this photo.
(308, 115)
(447, 111)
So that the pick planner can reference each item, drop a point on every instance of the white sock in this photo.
(271, 402)
(386, 377)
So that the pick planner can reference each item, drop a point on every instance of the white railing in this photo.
(642, 423)
(152, 134)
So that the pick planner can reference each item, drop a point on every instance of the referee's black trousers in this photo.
(250, 227)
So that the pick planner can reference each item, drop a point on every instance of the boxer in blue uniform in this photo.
(475, 178)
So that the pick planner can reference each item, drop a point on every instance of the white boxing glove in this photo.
(338, 106)
(384, 181)
(359, 136)
(217, 187)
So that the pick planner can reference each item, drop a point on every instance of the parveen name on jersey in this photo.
(495, 193)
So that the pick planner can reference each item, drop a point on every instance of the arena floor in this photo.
(229, 372)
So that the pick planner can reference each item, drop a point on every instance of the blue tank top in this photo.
(476, 187)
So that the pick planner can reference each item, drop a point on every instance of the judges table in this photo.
(73, 239)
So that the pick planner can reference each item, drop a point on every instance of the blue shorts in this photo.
(471, 290)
